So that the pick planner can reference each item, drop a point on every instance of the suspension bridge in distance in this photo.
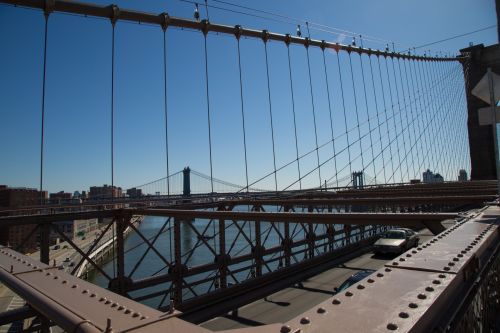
(298, 177)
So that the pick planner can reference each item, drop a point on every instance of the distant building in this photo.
(60, 197)
(12, 198)
(430, 177)
(462, 175)
(74, 229)
(134, 192)
(105, 192)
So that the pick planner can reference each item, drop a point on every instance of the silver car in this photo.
(396, 241)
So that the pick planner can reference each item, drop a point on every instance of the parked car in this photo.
(67, 259)
(396, 241)
(356, 277)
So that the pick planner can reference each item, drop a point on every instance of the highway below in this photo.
(294, 300)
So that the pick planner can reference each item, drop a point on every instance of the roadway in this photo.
(290, 302)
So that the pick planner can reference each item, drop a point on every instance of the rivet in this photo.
(370, 280)
(321, 310)
(360, 286)
(64, 281)
(348, 294)
(304, 320)
(419, 248)
(395, 263)
(74, 286)
(403, 315)
(48, 273)
(413, 305)
(144, 317)
(114, 305)
(392, 326)
(107, 301)
(56, 277)
(336, 301)
(451, 264)
(121, 307)
(93, 295)
(460, 255)
(442, 276)
(408, 255)
(429, 289)
(421, 296)
(388, 269)
(380, 274)
(413, 251)
(136, 314)
(436, 282)
(285, 329)
(456, 259)
(402, 259)
(127, 311)
(102, 299)
(85, 291)
(446, 268)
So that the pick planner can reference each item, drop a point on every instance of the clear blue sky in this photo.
(78, 87)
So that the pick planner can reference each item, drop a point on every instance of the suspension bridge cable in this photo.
(313, 111)
(330, 112)
(165, 103)
(425, 81)
(386, 118)
(377, 112)
(398, 103)
(293, 111)
(424, 110)
(265, 40)
(343, 108)
(417, 109)
(242, 110)
(411, 112)
(393, 113)
(208, 108)
(356, 111)
(113, 23)
(367, 110)
(42, 125)
(416, 84)
(452, 37)
(300, 21)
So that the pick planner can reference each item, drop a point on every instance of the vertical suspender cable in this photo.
(205, 32)
(112, 107)
(165, 98)
(368, 117)
(412, 115)
(401, 105)
(357, 114)
(238, 35)
(345, 116)
(394, 122)
(386, 119)
(43, 105)
(378, 118)
(265, 39)
(414, 82)
(313, 110)
(331, 117)
(293, 111)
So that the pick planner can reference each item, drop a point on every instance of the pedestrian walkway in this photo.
(10, 301)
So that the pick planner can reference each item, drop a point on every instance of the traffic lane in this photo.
(292, 301)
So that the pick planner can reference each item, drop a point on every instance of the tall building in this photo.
(17, 236)
(430, 177)
(105, 192)
(462, 175)
(134, 192)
